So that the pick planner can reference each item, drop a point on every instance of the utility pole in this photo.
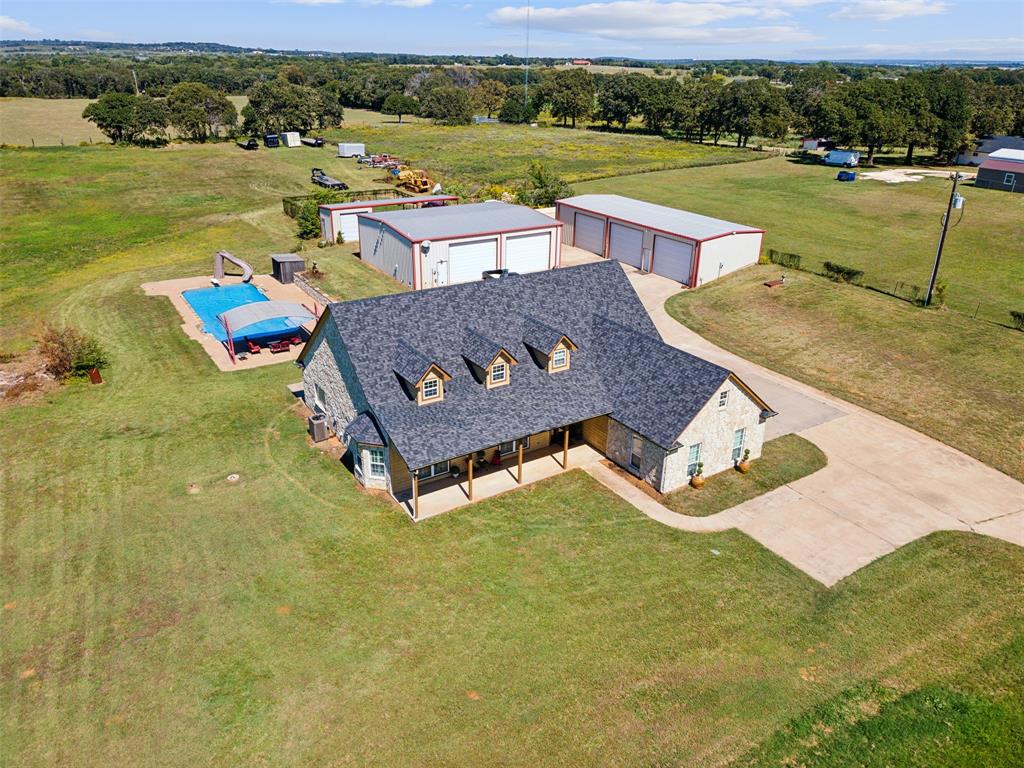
(953, 200)
(526, 75)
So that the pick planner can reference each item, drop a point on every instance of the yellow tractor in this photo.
(414, 180)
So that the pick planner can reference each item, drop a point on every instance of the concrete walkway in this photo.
(885, 484)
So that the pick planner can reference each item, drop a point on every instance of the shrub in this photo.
(544, 187)
(788, 260)
(939, 294)
(1018, 319)
(69, 353)
(839, 273)
(308, 215)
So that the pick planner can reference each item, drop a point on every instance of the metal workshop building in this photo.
(686, 247)
(431, 247)
(338, 220)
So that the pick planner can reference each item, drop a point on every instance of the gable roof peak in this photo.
(412, 365)
(482, 350)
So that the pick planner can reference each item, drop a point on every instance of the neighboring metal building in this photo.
(1004, 169)
(339, 219)
(986, 146)
(686, 247)
(431, 247)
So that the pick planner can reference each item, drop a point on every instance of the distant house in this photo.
(420, 385)
(1003, 169)
(986, 146)
(581, 62)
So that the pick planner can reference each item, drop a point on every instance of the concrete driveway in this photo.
(885, 484)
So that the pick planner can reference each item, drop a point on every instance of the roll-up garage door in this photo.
(469, 261)
(348, 225)
(626, 244)
(673, 259)
(527, 253)
(588, 233)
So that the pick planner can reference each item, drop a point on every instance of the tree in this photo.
(488, 96)
(754, 107)
(619, 98)
(661, 104)
(197, 111)
(276, 106)
(544, 187)
(400, 104)
(292, 73)
(447, 105)
(878, 115)
(571, 93)
(922, 123)
(515, 109)
(128, 119)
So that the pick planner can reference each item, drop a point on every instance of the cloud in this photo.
(888, 10)
(987, 48)
(673, 22)
(401, 3)
(318, 2)
(7, 24)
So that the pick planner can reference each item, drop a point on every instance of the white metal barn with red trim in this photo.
(686, 247)
(431, 247)
(340, 218)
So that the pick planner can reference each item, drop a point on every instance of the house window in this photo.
(560, 358)
(377, 468)
(1008, 179)
(319, 398)
(431, 389)
(636, 451)
(693, 460)
(434, 470)
(499, 373)
(723, 398)
(739, 437)
(512, 446)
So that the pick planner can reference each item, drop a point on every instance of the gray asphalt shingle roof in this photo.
(419, 224)
(994, 143)
(621, 366)
(540, 335)
(479, 349)
(363, 430)
(672, 220)
(410, 363)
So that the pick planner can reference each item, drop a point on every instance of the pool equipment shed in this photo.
(340, 218)
(286, 265)
(686, 247)
(431, 247)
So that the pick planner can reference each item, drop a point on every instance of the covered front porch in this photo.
(428, 498)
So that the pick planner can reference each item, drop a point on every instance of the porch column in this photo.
(565, 449)
(415, 496)
(469, 466)
(519, 469)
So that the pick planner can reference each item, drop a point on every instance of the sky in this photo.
(699, 29)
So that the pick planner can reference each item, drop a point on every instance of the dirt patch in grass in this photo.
(782, 461)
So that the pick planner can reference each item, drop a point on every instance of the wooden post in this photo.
(231, 343)
(519, 471)
(565, 449)
(469, 466)
(415, 496)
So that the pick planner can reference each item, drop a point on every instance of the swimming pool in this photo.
(207, 303)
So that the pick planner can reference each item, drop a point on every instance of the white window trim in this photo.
(515, 446)
(437, 389)
(1009, 179)
(737, 449)
(634, 442)
(692, 461)
(723, 399)
(434, 475)
(564, 353)
(383, 463)
(503, 367)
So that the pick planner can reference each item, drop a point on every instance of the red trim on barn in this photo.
(388, 201)
(462, 236)
(610, 217)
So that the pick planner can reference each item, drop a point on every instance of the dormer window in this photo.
(431, 389)
(559, 358)
(498, 375)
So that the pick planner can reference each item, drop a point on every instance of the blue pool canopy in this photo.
(238, 319)
(210, 303)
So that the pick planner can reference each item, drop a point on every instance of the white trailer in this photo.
(351, 150)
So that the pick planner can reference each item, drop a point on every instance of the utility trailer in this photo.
(250, 145)
(313, 142)
(327, 182)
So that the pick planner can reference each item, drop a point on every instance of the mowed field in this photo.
(888, 230)
(289, 619)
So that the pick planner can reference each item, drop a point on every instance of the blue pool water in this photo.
(210, 302)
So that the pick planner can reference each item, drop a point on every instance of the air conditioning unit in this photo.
(318, 429)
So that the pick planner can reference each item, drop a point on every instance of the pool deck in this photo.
(193, 327)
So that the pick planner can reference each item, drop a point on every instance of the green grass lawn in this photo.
(888, 230)
(782, 461)
(345, 277)
(289, 619)
(937, 371)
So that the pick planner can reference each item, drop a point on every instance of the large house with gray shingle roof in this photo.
(420, 384)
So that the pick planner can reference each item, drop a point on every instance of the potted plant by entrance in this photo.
(697, 481)
(744, 464)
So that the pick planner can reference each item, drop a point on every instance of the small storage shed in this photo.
(284, 266)
(431, 247)
(351, 150)
(291, 139)
(339, 219)
(1003, 169)
(682, 246)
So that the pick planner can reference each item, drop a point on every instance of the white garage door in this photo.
(527, 253)
(469, 261)
(626, 244)
(588, 233)
(348, 225)
(673, 259)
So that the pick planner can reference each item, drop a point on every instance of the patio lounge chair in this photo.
(254, 348)
(296, 340)
(279, 346)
